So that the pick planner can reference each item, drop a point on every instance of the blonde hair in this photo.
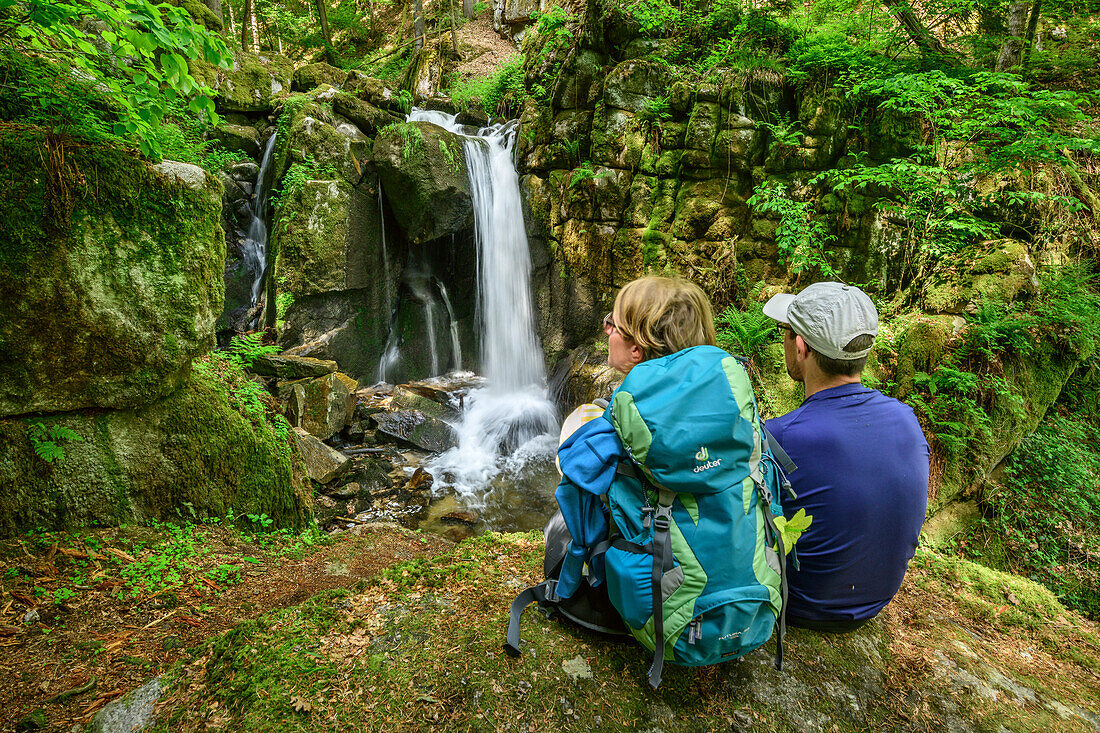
(663, 315)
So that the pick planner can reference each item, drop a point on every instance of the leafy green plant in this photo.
(245, 348)
(802, 239)
(450, 156)
(47, 440)
(1040, 519)
(136, 52)
(585, 172)
(745, 332)
(490, 91)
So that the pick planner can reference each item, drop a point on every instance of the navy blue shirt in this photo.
(863, 474)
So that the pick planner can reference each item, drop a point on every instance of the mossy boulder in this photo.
(211, 446)
(238, 138)
(324, 145)
(995, 273)
(423, 172)
(111, 271)
(364, 115)
(253, 84)
(314, 75)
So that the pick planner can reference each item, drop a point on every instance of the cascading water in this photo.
(456, 347)
(510, 421)
(254, 247)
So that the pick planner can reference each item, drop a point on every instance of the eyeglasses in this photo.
(609, 324)
(785, 327)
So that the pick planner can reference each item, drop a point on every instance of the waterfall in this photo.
(456, 347)
(510, 419)
(254, 247)
(386, 286)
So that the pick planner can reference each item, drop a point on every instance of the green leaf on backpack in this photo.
(791, 529)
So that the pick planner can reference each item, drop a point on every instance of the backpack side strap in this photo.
(777, 451)
(544, 591)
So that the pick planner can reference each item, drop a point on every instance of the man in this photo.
(862, 462)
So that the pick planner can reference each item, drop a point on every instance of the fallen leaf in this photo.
(300, 705)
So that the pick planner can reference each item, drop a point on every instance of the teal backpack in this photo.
(694, 562)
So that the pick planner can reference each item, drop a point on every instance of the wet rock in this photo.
(133, 712)
(356, 432)
(347, 491)
(469, 518)
(288, 368)
(422, 397)
(189, 175)
(413, 426)
(372, 474)
(323, 464)
(366, 116)
(421, 480)
(32, 616)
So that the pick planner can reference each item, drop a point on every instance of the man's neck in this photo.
(815, 381)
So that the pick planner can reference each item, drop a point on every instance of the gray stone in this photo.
(192, 176)
(323, 464)
(321, 406)
(413, 426)
(133, 712)
(287, 368)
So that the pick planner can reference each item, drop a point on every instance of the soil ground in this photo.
(116, 607)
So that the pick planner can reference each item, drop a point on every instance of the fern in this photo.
(47, 440)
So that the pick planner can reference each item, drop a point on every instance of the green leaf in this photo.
(791, 529)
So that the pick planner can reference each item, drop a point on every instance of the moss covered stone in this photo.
(111, 273)
(253, 84)
(423, 171)
(207, 448)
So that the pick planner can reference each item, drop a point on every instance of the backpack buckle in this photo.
(663, 518)
(552, 592)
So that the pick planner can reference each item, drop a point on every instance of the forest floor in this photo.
(100, 612)
(389, 629)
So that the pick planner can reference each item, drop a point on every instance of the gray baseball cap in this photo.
(827, 316)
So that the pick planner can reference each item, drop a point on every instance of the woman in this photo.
(656, 316)
(677, 454)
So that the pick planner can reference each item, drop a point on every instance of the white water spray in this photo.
(511, 415)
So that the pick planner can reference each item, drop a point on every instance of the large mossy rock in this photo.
(199, 452)
(960, 648)
(253, 84)
(111, 271)
(423, 171)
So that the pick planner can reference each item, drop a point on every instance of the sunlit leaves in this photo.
(139, 55)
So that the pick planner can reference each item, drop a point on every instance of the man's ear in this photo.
(801, 347)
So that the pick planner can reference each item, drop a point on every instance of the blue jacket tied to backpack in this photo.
(686, 541)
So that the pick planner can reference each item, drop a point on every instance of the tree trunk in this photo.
(216, 8)
(418, 23)
(326, 34)
(918, 34)
(1014, 43)
(248, 26)
(454, 38)
(229, 31)
(1032, 26)
(468, 9)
